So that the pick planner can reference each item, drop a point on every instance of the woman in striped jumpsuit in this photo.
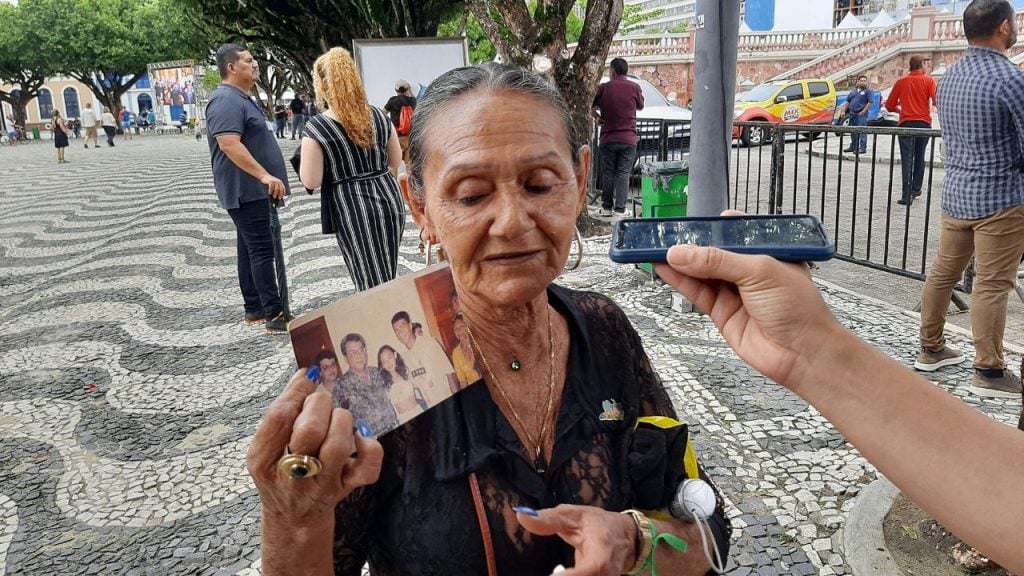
(351, 152)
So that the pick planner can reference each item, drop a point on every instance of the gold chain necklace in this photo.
(538, 461)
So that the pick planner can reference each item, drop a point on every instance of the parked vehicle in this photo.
(807, 101)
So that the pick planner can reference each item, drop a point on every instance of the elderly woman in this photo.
(530, 467)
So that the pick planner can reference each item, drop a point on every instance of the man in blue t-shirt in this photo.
(858, 105)
(248, 172)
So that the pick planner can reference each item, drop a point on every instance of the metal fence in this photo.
(805, 170)
(657, 140)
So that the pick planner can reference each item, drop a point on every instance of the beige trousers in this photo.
(996, 242)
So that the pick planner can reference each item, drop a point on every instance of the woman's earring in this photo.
(441, 257)
(578, 241)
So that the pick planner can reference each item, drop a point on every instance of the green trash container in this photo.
(663, 191)
(663, 188)
(35, 133)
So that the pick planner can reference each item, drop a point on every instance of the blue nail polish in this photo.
(313, 373)
(364, 430)
(526, 510)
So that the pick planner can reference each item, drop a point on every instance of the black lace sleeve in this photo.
(351, 543)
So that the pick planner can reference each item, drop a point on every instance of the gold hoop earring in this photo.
(577, 240)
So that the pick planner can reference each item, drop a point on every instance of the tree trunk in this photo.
(108, 89)
(537, 40)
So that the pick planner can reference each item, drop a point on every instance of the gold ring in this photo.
(299, 465)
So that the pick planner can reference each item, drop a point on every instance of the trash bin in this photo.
(663, 188)
(35, 133)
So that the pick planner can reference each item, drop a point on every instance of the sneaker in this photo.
(87, 146)
(849, 149)
(603, 213)
(917, 193)
(255, 318)
(1007, 386)
(932, 361)
(618, 215)
(905, 201)
(279, 325)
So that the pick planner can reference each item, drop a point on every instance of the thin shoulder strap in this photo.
(485, 529)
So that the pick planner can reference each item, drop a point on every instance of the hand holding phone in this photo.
(791, 238)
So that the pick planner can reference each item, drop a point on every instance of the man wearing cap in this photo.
(394, 108)
(913, 96)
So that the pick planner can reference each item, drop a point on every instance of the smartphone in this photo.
(792, 238)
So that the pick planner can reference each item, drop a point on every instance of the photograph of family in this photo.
(391, 353)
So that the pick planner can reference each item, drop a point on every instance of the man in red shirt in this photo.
(913, 97)
(615, 109)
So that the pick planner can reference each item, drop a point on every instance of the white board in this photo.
(418, 61)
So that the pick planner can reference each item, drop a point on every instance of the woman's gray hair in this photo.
(448, 87)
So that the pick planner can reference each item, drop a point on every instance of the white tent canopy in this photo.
(849, 22)
(882, 20)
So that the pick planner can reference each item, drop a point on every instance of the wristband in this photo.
(644, 541)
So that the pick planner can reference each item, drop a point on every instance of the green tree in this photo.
(22, 64)
(462, 22)
(635, 20)
(293, 33)
(106, 44)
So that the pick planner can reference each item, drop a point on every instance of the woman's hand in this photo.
(769, 312)
(306, 422)
(605, 542)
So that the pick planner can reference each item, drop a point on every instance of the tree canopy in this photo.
(105, 44)
(22, 64)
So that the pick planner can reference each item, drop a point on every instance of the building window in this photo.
(844, 7)
(45, 100)
(71, 107)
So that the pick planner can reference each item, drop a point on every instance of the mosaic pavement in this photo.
(129, 390)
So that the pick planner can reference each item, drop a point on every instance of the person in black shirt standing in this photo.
(298, 106)
(280, 118)
(394, 108)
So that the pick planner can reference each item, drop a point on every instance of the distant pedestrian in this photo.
(280, 118)
(109, 127)
(400, 107)
(979, 103)
(299, 110)
(913, 96)
(12, 130)
(183, 122)
(858, 106)
(615, 109)
(90, 119)
(126, 124)
(351, 151)
(60, 135)
(76, 127)
(248, 171)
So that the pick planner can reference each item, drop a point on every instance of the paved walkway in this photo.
(129, 390)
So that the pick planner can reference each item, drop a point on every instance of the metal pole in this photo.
(714, 87)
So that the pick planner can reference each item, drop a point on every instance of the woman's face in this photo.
(500, 193)
(329, 369)
(387, 360)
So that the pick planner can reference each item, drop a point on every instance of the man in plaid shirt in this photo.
(981, 109)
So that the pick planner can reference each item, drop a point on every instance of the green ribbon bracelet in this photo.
(670, 539)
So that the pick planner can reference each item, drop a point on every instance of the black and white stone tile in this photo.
(129, 389)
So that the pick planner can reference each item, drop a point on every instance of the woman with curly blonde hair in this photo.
(351, 152)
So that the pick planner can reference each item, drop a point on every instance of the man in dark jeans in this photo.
(913, 97)
(299, 111)
(248, 172)
(280, 118)
(615, 109)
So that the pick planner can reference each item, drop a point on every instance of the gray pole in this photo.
(714, 87)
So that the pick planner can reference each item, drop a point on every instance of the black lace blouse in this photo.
(419, 518)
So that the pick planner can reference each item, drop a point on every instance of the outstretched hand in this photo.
(768, 311)
(604, 541)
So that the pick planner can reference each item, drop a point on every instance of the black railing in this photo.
(657, 140)
(806, 170)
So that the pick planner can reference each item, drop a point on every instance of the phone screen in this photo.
(751, 232)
